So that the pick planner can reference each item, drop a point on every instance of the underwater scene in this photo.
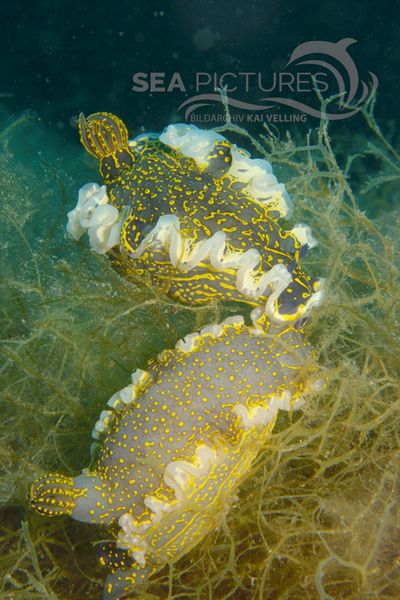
(200, 301)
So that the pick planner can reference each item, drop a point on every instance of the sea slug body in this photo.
(197, 215)
(177, 441)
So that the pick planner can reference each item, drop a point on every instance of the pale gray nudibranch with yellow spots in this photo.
(198, 215)
(177, 442)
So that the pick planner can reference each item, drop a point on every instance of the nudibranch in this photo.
(198, 215)
(178, 441)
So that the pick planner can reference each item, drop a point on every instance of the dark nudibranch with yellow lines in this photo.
(198, 215)
(178, 441)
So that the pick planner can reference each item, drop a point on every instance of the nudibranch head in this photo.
(198, 215)
(178, 440)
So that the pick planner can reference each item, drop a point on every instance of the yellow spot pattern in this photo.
(172, 459)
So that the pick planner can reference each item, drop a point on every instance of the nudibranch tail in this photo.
(105, 137)
(57, 494)
(53, 495)
(102, 133)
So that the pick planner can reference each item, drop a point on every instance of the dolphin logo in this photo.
(337, 51)
(334, 58)
(347, 85)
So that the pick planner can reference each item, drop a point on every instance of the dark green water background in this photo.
(59, 58)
